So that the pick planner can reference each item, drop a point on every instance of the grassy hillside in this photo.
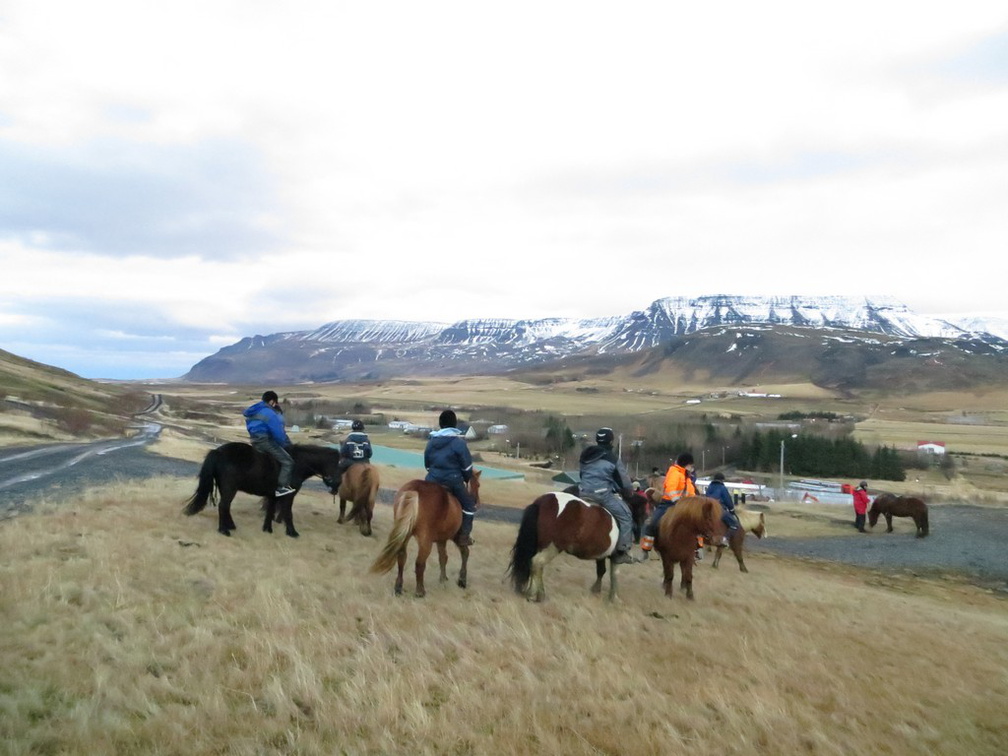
(42, 403)
(131, 629)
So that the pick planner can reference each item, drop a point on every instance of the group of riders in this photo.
(603, 478)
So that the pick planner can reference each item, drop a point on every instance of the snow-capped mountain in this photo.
(359, 349)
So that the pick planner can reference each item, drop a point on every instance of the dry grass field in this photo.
(131, 629)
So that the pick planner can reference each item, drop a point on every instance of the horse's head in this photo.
(474, 486)
(875, 509)
(324, 462)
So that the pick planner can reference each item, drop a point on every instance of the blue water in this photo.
(386, 455)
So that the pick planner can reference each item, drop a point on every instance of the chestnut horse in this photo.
(360, 485)
(236, 466)
(755, 523)
(556, 523)
(428, 512)
(890, 505)
(692, 517)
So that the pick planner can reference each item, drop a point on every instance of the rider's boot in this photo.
(463, 537)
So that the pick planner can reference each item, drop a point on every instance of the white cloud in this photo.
(194, 170)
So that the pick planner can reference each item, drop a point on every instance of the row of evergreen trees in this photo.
(808, 455)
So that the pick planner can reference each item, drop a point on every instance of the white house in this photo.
(931, 447)
(497, 430)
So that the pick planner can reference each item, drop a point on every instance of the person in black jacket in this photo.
(449, 463)
(356, 447)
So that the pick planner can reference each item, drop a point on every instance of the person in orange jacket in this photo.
(678, 483)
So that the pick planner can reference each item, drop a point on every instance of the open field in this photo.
(132, 629)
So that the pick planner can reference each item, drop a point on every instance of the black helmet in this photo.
(357, 425)
(604, 437)
(447, 419)
(684, 459)
(863, 485)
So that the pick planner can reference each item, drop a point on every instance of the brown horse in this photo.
(890, 505)
(360, 485)
(692, 517)
(556, 523)
(428, 512)
(755, 523)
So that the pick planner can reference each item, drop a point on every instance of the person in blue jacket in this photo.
(265, 425)
(717, 490)
(449, 463)
(356, 447)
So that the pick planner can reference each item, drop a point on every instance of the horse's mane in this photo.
(691, 509)
(313, 448)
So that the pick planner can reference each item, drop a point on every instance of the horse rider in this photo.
(860, 506)
(604, 480)
(356, 448)
(449, 463)
(265, 424)
(678, 483)
(718, 491)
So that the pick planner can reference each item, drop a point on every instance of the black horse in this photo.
(236, 467)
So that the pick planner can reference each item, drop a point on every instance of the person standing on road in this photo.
(449, 463)
(605, 481)
(860, 506)
(265, 425)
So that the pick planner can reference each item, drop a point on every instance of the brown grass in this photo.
(131, 629)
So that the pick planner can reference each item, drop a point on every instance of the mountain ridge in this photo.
(349, 350)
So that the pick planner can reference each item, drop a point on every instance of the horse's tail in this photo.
(205, 487)
(407, 508)
(525, 547)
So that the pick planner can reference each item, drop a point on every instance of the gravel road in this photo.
(965, 540)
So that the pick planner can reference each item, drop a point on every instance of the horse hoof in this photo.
(293, 534)
(340, 520)
(225, 533)
(267, 529)
(461, 583)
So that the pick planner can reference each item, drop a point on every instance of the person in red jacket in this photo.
(860, 505)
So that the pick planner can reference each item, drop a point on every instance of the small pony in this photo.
(692, 517)
(889, 506)
(560, 522)
(360, 485)
(235, 467)
(428, 512)
(755, 523)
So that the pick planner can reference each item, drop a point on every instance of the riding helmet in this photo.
(605, 437)
(684, 459)
(863, 485)
(447, 419)
(358, 425)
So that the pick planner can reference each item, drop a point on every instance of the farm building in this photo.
(931, 447)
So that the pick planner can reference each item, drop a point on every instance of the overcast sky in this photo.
(175, 176)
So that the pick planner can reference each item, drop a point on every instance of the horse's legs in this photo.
(600, 571)
(420, 565)
(668, 574)
(225, 523)
(717, 556)
(342, 510)
(287, 507)
(442, 556)
(401, 562)
(686, 567)
(612, 582)
(536, 589)
(888, 522)
(271, 511)
(464, 569)
(736, 547)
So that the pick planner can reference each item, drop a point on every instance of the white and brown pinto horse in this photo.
(561, 523)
